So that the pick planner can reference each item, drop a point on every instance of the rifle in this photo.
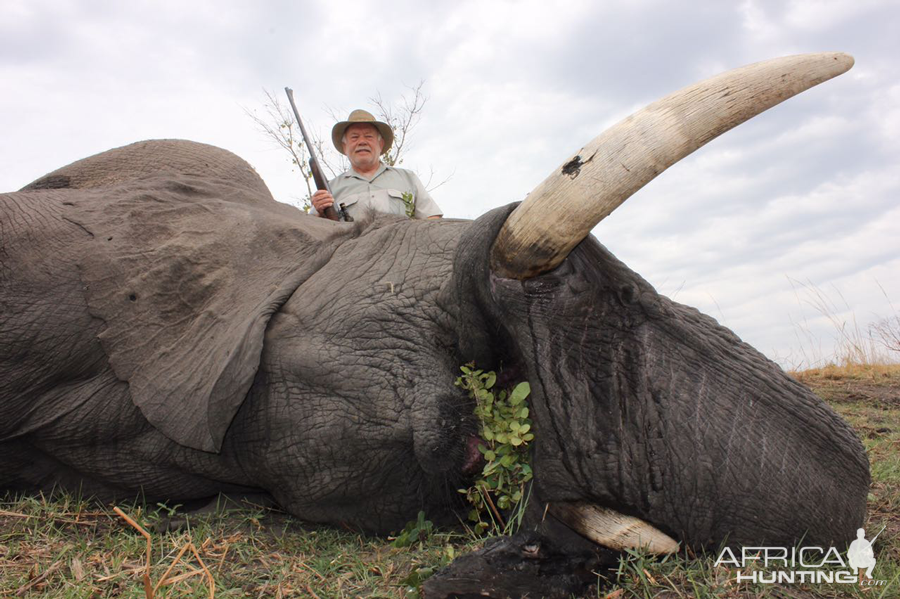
(872, 542)
(315, 169)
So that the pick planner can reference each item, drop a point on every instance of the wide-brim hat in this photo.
(361, 116)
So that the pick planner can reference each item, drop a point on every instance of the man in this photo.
(371, 184)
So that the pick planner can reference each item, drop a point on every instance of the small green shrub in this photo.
(505, 434)
(416, 531)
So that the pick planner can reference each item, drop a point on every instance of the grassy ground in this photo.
(67, 548)
(72, 548)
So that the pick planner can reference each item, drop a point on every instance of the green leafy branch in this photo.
(410, 202)
(505, 433)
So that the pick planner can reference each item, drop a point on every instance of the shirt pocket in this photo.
(399, 203)
(351, 199)
(352, 204)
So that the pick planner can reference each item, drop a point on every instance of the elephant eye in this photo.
(564, 274)
(542, 284)
(578, 284)
(628, 294)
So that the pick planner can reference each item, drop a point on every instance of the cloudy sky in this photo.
(798, 206)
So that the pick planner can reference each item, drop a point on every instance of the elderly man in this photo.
(370, 183)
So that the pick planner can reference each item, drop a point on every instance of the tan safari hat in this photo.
(361, 116)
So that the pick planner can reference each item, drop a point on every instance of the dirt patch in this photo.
(876, 393)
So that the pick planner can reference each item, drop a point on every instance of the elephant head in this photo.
(682, 419)
(169, 328)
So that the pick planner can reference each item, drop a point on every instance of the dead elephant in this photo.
(168, 328)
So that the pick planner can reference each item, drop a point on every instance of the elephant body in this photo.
(132, 310)
(171, 282)
(67, 419)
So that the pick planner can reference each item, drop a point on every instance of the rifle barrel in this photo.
(333, 212)
(306, 138)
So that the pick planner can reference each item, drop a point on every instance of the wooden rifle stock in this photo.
(318, 177)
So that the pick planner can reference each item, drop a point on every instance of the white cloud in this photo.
(821, 15)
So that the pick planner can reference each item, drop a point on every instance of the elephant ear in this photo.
(186, 272)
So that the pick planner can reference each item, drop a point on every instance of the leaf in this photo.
(418, 530)
(505, 429)
(418, 576)
(519, 394)
(490, 380)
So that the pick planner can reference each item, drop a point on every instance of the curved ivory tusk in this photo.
(563, 209)
(611, 529)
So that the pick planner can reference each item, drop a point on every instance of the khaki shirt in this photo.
(383, 192)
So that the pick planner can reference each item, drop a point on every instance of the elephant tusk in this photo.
(563, 209)
(611, 529)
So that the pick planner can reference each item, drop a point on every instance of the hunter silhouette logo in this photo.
(860, 555)
(789, 565)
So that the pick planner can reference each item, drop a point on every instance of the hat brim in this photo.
(337, 133)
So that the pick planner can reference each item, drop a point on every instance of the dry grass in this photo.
(853, 344)
(66, 547)
(885, 373)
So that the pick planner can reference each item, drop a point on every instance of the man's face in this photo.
(363, 145)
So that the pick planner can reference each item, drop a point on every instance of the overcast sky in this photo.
(804, 195)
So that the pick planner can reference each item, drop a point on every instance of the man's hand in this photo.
(322, 200)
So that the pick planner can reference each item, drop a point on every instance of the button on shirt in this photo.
(384, 192)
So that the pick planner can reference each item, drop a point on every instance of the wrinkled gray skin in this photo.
(342, 405)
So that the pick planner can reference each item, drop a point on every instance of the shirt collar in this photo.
(352, 173)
